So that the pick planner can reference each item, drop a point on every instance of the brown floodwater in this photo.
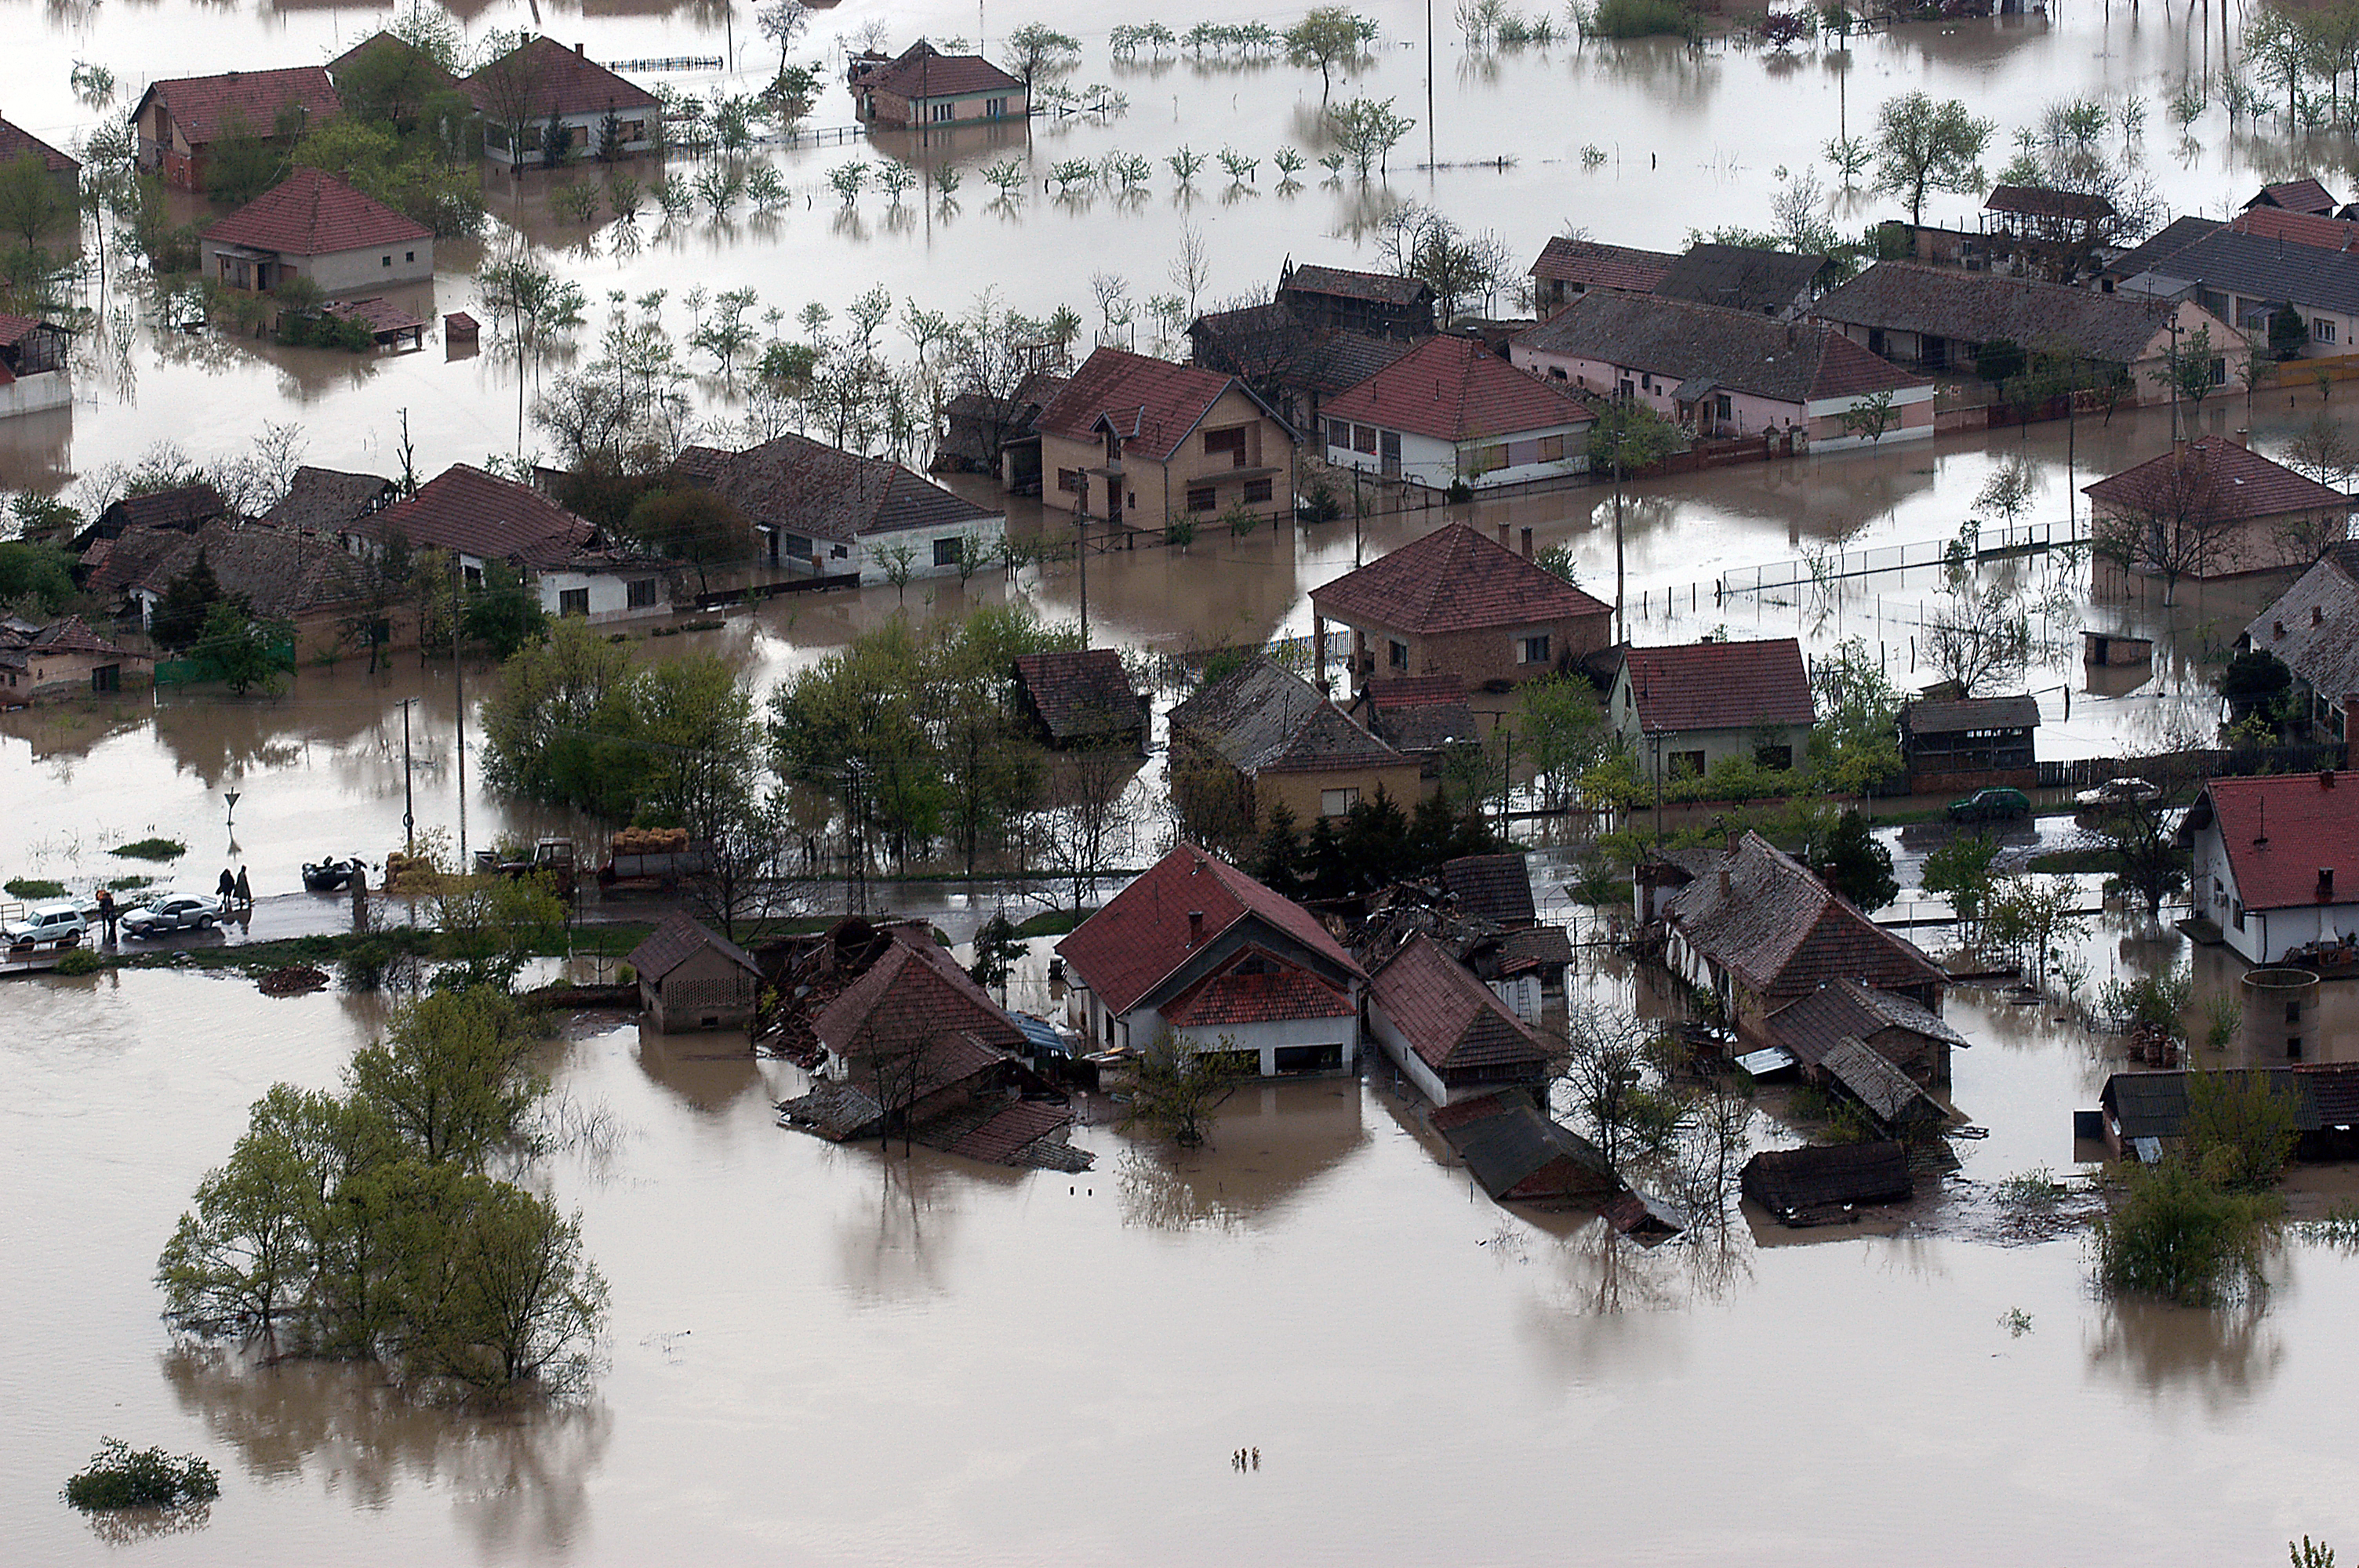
(821, 1354)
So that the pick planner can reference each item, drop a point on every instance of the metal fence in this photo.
(189, 672)
(2083, 772)
(2025, 538)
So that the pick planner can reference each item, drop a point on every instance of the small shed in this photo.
(2109, 648)
(1985, 742)
(1800, 1185)
(1517, 1155)
(1496, 887)
(690, 978)
(1081, 697)
(1895, 1107)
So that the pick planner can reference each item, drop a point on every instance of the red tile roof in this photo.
(1602, 266)
(679, 939)
(2309, 826)
(15, 330)
(1784, 932)
(1003, 1139)
(2315, 230)
(1454, 389)
(1124, 950)
(1225, 997)
(1720, 686)
(467, 510)
(924, 71)
(207, 107)
(311, 214)
(553, 79)
(16, 142)
(1453, 580)
(1386, 693)
(1449, 1019)
(914, 993)
(2217, 479)
(2302, 196)
(1153, 405)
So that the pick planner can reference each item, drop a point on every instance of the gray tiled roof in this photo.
(808, 488)
(1740, 277)
(1977, 308)
(1675, 340)
(2262, 266)
(1265, 719)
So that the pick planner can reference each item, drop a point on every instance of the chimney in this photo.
(2276, 629)
(1195, 927)
(1726, 892)
(2326, 885)
(1503, 536)
(2243, 437)
(2326, 778)
(2316, 615)
(581, 48)
(1527, 544)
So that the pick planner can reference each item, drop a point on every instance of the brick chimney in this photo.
(2326, 885)
(1195, 927)
(1527, 544)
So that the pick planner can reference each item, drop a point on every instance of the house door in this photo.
(1388, 453)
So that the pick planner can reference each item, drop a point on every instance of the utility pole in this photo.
(408, 793)
(1429, 157)
(1081, 558)
(458, 685)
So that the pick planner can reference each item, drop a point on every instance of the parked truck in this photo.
(552, 858)
(651, 861)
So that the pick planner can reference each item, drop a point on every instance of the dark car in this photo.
(1991, 806)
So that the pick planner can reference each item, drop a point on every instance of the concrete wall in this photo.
(1264, 1039)
(1404, 1055)
(31, 394)
(987, 534)
(706, 991)
(1300, 793)
(1434, 463)
(1477, 657)
(58, 677)
(609, 593)
(1715, 745)
(585, 135)
(894, 109)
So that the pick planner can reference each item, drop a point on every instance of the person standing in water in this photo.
(227, 891)
(245, 888)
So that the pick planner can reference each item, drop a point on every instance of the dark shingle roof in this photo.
(279, 574)
(1785, 1180)
(809, 488)
(1734, 349)
(206, 107)
(1977, 308)
(1265, 719)
(466, 510)
(2175, 237)
(1720, 686)
(2040, 201)
(679, 939)
(1504, 1150)
(2153, 1104)
(1449, 1019)
(310, 213)
(1453, 580)
(1970, 715)
(323, 500)
(1454, 389)
(1876, 1083)
(183, 507)
(1383, 287)
(2226, 481)
(1081, 692)
(2280, 257)
(1596, 266)
(1141, 937)
(2314, 625)
(1784, 932)
(1738, 277)
(1496, 887)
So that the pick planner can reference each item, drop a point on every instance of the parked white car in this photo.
(47, 926)
(2114, 792)
(173, 912)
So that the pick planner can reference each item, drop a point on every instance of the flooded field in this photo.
(820, 1357)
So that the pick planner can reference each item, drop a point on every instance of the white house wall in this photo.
(986, 532)
(1266, 1038)
(1832, 409)
(2267, 935)
(1412, 1066)
(1433, 463)
(31, 394)
(610, 594)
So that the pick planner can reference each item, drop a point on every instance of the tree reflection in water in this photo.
(129, 1527)
(2227, 1356)
(893, 1247)
(1159, 1195)
(518, 1478)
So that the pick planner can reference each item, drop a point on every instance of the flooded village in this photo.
(1368, 759)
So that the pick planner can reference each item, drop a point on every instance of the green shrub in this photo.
(1640, 19)
(80, 961)
(34, 887)
(2240, 1129)
(2180, 1239)
(151, 849)
(128, 884)
(118, 1478)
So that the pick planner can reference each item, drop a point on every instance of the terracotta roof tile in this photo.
(1720, 686)
(2309, 826)
(1454, 389)
(2217, 477)
(1224, 996)
(1453, 580)
(923, 70)
(554, 79)
(1449, 1019)
(679, 939)
(1141, 937)
(311, 214)
(2305, 195)
(1003, 1139)
(278, 573)
(1814, 1024)
(1153, 405)
(1496, 887)
(809, 488)
(466, 510)
(1596, 265)
(16, 142)
(915, 992)
(208, 107)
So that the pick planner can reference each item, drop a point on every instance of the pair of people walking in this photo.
(235, 889)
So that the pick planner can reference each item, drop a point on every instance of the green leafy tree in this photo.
(696, 525)
(2241, 1128)
(242, 651)
(452, 1076)
(2180, 1239)
(33, 206)
(1922, 145)
(1856, 745)
(1328, 38)
(36, 579)
(1037, 49)
(1627, 435)
(1559, 728)
(1959, 870)
(1178, 1090)
(503, 615)
(2141, 847)
(151, 1478)
(179, 618)
(1857, 866)
(486, 927)
(1277, 865)
(1365, 131)
(1613, 1076)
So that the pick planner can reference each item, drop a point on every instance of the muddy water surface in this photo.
(821, 1356)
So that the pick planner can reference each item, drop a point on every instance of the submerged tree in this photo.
(1922, 145)
(1177, 1090)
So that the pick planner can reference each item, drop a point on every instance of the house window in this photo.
(2219, 372)
(1556, 373)
(1336, 801)
(1256, 489)
(633, 130)
(1778, 758)
(946, 552)
(474, 576)
(1397, 652)
(842, 552)
(995, 107)
(1229, 443)
(641, 593)
(1551, 448)
(1474, 460)
(1686, 764)
(409, 255)
(1721, 408)
(1069, 480)
(942, 112)
(1535, 650)
(2321, 330)
(1339, 434)
(1200, 499)
(2240, 915)
(573, 601)
(387, 262)
(1363, 437)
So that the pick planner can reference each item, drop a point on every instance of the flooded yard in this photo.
(823, 1356)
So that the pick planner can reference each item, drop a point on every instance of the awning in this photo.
(1694, 389)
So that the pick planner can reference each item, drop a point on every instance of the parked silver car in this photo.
(174, 911)
(2117, 792)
